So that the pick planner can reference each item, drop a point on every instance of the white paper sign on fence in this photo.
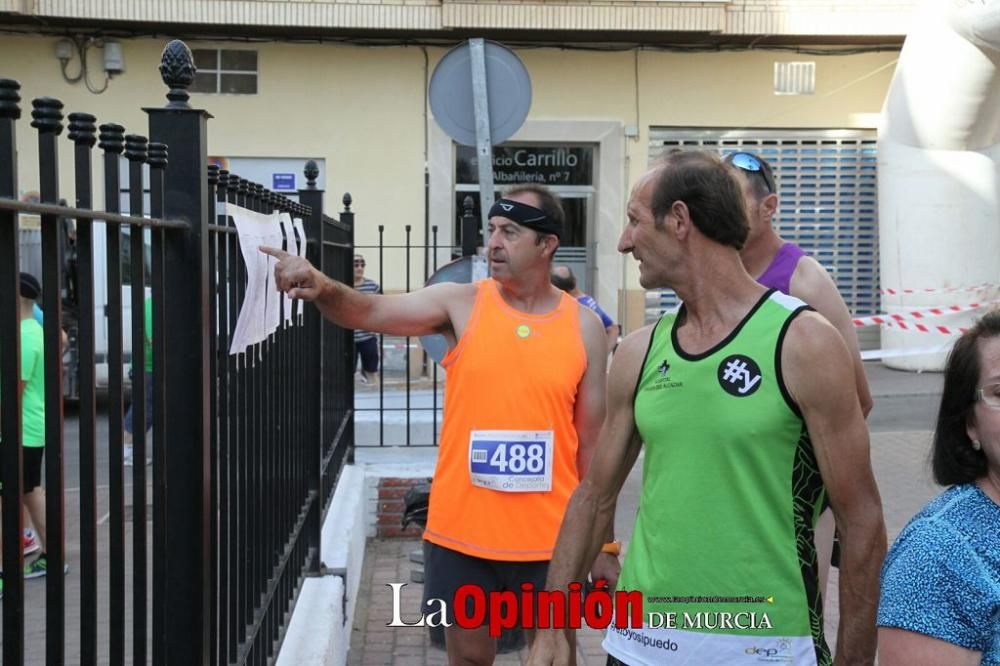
(252, 230)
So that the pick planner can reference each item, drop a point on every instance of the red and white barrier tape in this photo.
(913, 315)
(933, 290)
(924, 328)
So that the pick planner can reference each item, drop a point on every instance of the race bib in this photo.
(511, 461)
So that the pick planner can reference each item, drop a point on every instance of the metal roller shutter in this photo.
(828, 201)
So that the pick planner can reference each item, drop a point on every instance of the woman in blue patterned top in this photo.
(941, 580)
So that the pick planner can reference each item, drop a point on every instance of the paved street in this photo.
(35, 589)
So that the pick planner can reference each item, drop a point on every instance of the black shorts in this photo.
(368, 351)
(32, 462)
(31, 467)
(446, 570)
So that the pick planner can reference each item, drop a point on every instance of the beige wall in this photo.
(362, 110)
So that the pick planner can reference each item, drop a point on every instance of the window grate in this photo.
(794, 78)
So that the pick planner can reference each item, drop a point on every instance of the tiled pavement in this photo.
(900, 463)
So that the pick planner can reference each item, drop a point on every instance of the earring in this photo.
(976, 445)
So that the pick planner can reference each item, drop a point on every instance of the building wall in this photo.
(362, 110)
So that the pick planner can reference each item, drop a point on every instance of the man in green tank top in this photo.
(746, 403)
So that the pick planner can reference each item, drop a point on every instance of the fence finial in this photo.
(347, 201)
(112, 138)
(177, 71)
(47, 115)
(9, 99)
(311, 172)
(82, 130)
(157, 155)
(135, 147)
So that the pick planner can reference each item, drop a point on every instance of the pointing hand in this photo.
(295, 275)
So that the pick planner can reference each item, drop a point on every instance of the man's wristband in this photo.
(613, 548)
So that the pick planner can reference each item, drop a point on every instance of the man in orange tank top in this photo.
(524, 402)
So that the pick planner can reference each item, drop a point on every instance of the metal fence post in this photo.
(135, 153)
(83, 133)
(182, 599)
(347, 364)
(47, 119)
(10, 363)
(313, 225)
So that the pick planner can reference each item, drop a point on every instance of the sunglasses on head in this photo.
(752, 164)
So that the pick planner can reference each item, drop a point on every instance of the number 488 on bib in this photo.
(511, 460)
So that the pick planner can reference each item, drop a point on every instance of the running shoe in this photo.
(31, 544)
(40, 567)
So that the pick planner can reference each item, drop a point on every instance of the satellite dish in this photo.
(508, 92)
(464, 271)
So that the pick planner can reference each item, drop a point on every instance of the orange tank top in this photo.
(507, 461)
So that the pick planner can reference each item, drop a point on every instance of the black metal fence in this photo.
(246, 448)
(406, 409)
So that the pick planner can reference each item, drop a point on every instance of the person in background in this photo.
(563, 278)
(366, 342)
(940, 601)
(31, 389)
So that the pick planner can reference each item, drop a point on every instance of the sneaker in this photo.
(31, 544)
(128, 455)
(39, 567)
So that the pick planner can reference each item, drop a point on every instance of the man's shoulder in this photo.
(810, 332)
(632, 349)
(811, 280)
(31, 329)
(810, 339)
(32, 337)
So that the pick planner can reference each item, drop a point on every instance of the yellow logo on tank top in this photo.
(523, 331)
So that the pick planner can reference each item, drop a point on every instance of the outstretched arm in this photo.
(422, 312)
(815, 358)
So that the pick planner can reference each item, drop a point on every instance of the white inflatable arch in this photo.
(939, 185)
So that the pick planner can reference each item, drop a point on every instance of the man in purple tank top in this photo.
(784, 266)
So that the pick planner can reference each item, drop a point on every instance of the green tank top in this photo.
(731, 492)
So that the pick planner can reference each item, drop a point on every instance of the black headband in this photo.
(526, 216)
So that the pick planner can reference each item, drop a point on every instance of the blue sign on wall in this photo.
(283, 181)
